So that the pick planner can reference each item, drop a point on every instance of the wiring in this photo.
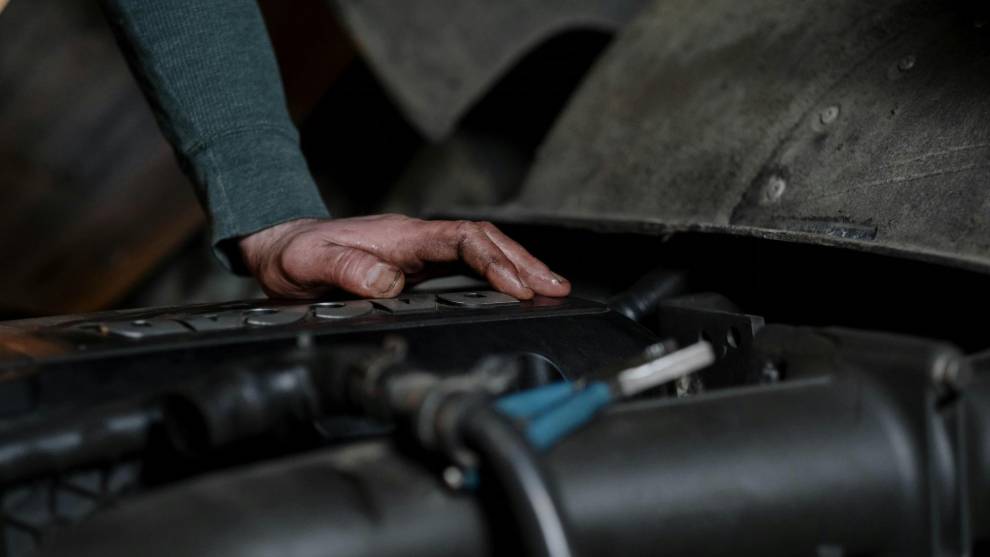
(551, 412)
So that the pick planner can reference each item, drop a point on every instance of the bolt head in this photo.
(829, 115)
(774, 190)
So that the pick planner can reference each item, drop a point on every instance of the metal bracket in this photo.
(218, 321)
(342, 310)
(690, 319)
(416, 303)
(274, 316)
(482, 298)
(271, 317)
(142, 328)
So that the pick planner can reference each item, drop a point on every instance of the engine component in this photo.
(79, 401)
(884, 474)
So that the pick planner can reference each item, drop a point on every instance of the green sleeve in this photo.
(210, 74)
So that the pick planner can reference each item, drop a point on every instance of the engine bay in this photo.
(347, 426)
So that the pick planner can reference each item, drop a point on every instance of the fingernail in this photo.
(382, 278)
(557, 279)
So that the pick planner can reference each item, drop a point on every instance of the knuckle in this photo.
(464, 232)
(466, 228)
(291, 257)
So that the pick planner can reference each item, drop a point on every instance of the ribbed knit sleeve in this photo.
(209, 71)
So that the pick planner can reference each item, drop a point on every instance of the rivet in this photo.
(829, 115)
(776, 185)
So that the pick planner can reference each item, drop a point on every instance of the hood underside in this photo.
(437, 57)
(862, 124)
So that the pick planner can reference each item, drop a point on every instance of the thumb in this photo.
(353, 270)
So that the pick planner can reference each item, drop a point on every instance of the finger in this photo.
(350, 269)
(445, 241)
(534, 272)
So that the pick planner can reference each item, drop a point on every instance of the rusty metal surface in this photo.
(862, 124)
(437, 57)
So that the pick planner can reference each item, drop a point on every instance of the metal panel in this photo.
(863, 124)
(437, 57)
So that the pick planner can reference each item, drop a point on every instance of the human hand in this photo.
(375, 256)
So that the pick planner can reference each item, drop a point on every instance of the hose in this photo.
(641, 299)
(514, 466)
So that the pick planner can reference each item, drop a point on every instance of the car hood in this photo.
(861, 124)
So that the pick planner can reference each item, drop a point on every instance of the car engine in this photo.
(774, 218)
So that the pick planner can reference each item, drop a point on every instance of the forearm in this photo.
(210, 74)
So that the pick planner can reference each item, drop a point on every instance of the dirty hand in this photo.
(373, 256)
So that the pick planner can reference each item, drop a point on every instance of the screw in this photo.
(906, 63)
(829, 115)
(775, 188)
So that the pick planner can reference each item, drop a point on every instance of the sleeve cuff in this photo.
(253, 180)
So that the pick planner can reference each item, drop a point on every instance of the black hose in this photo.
(41, 447)
(641, 299)
(511, 461)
